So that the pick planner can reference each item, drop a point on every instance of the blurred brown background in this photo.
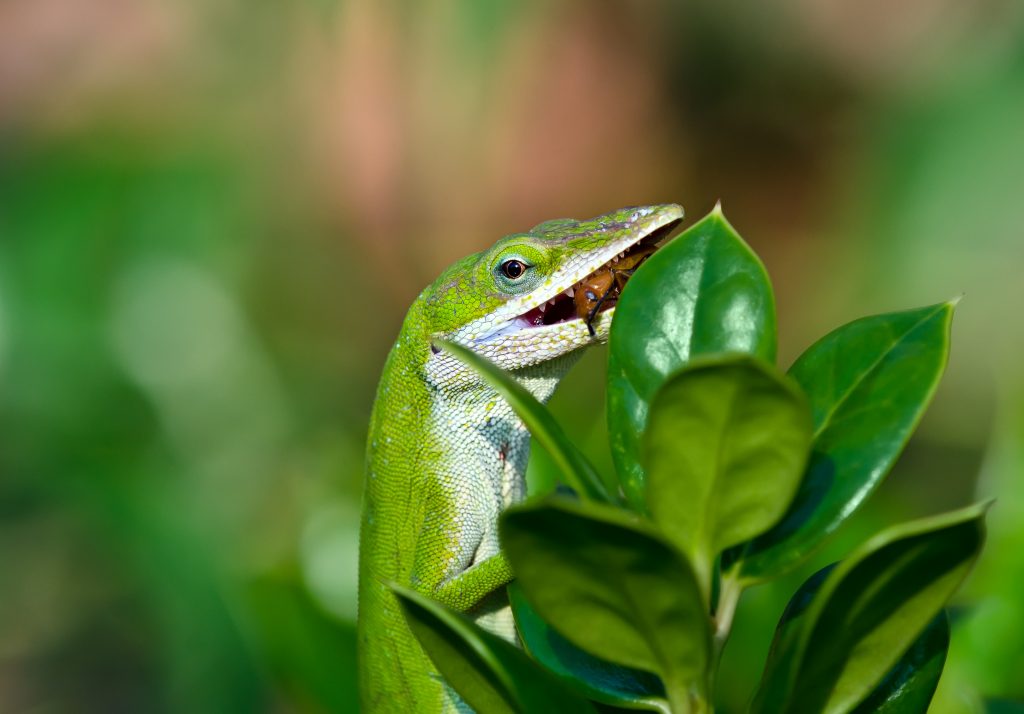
(213, 214)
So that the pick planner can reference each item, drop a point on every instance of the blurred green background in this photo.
(213, 214)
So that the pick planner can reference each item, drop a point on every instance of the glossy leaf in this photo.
(490, 674)
(704, 292)
(848, 627)
(725, 447)
(576, 469)
(909, 686)
(868, 383)
(613, 587)
(598, 679)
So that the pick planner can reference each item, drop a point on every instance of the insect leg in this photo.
(593, 311)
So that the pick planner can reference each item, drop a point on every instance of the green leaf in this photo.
(704, 292)
(848, 626)
(490, 674)
(577, 470)
(725, 447)
(598, 679)
(868, 383)
(612, 586)
(909, 686)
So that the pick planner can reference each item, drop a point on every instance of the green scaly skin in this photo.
(446, 454)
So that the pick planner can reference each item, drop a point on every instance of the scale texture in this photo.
(446, 454)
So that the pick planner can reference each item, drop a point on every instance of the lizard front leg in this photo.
(466, 589)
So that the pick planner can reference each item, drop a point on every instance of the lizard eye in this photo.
(513, 269)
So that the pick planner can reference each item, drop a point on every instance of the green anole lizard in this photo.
(446, 454)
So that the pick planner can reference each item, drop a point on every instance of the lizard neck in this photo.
(447, 421)
(479, 431)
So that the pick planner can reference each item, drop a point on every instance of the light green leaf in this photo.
(577, 470)
(847, 628)
(725, 447)
(909, 686)
(868, 383)
(613, 587)
(704, 292)
(598, 679)
(490, 674)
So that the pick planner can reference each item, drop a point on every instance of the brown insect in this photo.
(603, 287)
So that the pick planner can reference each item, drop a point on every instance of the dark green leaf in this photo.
(578, 472)
(868, 383)
(848, 627)
(598, 679)
(490, 674)
(704, 292)
(909, 686)
(725, 447)
(611, 586)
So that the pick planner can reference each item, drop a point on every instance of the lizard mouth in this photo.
(599, 291)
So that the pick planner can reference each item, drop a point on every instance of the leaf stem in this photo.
(684, 699)
(728, 599)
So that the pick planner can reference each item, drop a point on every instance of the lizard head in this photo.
(517, 302)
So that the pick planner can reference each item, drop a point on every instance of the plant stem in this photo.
(683, 696)
(678, 701)
(729, 597)
(683, 699)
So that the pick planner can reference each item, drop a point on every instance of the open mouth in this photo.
(600, 290)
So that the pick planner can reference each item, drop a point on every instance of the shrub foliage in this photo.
(730, 473)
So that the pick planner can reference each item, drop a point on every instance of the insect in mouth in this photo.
(601, 289)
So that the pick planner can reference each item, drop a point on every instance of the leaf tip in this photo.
(393, 586)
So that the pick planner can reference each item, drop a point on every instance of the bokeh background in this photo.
(213, 214)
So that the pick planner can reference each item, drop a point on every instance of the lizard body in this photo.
(446, 454)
